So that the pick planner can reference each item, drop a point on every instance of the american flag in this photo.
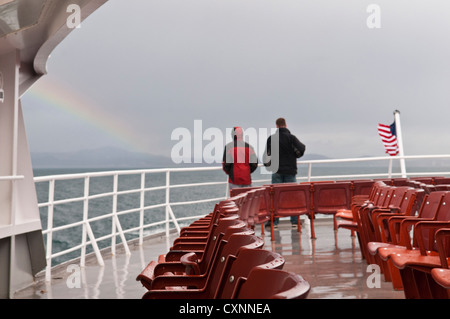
(389, 138)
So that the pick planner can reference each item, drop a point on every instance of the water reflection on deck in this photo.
(331, 263)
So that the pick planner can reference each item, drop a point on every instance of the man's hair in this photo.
(280, 122)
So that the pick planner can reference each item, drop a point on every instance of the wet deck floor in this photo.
(331, 263)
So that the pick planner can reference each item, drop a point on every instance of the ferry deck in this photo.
(331, 263)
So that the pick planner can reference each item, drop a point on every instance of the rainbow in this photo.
(68, 100)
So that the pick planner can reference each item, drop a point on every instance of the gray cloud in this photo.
(159, 65)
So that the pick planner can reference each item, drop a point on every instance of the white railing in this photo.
(88, 237)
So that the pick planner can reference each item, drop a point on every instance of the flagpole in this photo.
(398, 130)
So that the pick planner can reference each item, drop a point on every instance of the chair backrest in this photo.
(361, 187)
(431, 204)
(232, 245)
(442, 215)
(231, 223)
(228, 251)
(272, 284)
(425, 180)
(442, 180)
(264, 209)
(205, 262)
(412, 201)
(398, 195)
(329, 197)
(247, 204)
(241, 266)
(291, 199)
(255, 207)
(385, 196)
(377, 191)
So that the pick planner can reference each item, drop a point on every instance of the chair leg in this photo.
(410, 288)
(313, 234)
(395, 276)
(272, 233)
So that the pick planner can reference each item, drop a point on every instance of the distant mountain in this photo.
(310, 157)
(115, 158)
(106, 157)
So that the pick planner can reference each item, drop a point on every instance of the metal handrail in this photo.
(88, 237)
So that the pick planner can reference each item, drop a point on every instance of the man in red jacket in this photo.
(239, 160)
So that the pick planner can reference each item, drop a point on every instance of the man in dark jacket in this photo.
(239, 160)
(280, 157)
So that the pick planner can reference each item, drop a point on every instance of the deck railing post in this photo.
(85, 218)
(51, 198)
(114, 211)
(116, 226)
(141, 209)
(167, 201)
(390, 168)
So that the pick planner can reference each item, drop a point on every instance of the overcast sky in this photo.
(139, 69)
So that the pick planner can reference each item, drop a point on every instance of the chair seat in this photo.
(441, 276)
(385, 252)
(344, 214)
(348, 224)
(373, 247)
(414, 259)
(272, 284)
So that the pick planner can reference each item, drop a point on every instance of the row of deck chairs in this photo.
(404, 228)
(301, 199)
(220, 257)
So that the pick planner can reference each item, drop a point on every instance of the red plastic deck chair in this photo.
(403, 199)
(291, 200)
(202, 236)
(263, 214)
(233, 246)
(204, 253)
(272, 284)
(415, 264)
(441, 276)
(345, 218)
(392, 237)
(246, 205)
(378, 197)
(242, 266)
(361, 187)
(441, 180)
(234, 268)
(400, 235)
(203, 226)
(393, 200)
(408, 207)
(255, 207)
(199, 247)
(329, 198)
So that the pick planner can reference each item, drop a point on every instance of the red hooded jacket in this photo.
(239, 159)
